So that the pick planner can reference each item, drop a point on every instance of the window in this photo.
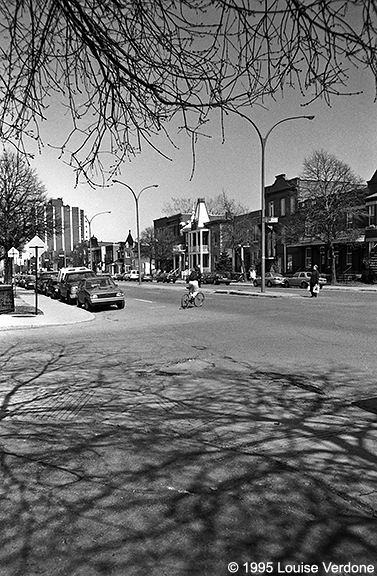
(372, 215)
(194, 240)
(349, 255)
(205, 238)
(292, 202)
(282, 206)
(308, 257)
(271, 208)
(205, 260)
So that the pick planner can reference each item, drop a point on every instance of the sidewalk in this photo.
(246, 289)
(50, 313)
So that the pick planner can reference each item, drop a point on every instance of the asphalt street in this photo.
(155, 440)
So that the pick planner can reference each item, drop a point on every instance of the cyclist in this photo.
(194, 281)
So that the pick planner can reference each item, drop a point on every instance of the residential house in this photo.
(287, 256)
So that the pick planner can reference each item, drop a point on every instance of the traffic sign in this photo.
(36, 242)
(13, 253)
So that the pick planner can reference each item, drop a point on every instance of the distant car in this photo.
(147, 278)
(215, 278)
(302, 280)
(43, 277)
(272, 279)
(134, 275)
(29, 282)
(51, 288)
(162, 277)
(99, 291)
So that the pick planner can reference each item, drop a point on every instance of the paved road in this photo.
(156, 440)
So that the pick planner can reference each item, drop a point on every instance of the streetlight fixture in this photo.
(136, 197)
(90, 235)
(263, 142)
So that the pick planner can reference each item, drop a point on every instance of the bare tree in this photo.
(148, 244)
(22, 205)
(122, 70)
(331, 202)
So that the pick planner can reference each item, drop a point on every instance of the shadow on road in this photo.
(110, 466)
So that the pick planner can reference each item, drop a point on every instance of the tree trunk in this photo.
(333, 265)
(7, 270)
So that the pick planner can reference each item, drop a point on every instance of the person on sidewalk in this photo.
(314, 282)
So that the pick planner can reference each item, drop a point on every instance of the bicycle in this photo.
(188, 299)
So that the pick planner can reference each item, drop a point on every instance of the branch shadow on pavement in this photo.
(124, 468)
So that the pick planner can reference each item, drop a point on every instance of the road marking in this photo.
(148, 301)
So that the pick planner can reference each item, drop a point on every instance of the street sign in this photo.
(271, 220)
(36, 242)
(13, 253)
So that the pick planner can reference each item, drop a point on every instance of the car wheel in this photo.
(88, 306)
(255, 284)
(304, 285)
(120, 305)
(269, 284)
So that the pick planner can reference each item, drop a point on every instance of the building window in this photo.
(205, 238)
(282, 206)
(372, 215)
(271, 209)
(215, 238)
(292, 206)
(349, 255)
(194, 240)
(308, 258)
(205, 260)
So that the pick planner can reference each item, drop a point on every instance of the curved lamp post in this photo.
(90, 235)
(136, 197)
(263, 142)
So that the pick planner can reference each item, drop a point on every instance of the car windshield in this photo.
(99, 283)
(77, 277)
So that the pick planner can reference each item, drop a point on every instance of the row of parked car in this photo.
(298, 280)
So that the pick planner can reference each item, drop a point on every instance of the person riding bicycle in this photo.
(194, 281)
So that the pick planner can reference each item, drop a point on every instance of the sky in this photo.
(347, 129)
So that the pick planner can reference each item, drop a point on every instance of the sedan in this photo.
(215, 278)
(272, 279)
(99, 291)
(302, 280)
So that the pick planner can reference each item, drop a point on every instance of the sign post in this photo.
(37, 244)
(13, 253)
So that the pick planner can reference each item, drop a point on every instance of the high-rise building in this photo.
(67, 224)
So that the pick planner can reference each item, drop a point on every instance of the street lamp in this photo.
(136, 197)
(263, 142)
(90, 235)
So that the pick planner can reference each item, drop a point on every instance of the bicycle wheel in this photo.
(185, 300)
(199, 299)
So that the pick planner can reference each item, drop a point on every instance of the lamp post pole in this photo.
(263, 142)
(90, 235)
(136, 198)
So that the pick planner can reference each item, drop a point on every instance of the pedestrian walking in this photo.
(252, 275)
(314, 282)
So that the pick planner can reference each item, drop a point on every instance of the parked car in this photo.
(99, 291)
(162, 277)
(43, 277)
(302, 280)
(52, 288)
(272, 279)
(68, 280)
(29, 282)
(147, 278)
(215, 278)
(134, 275)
